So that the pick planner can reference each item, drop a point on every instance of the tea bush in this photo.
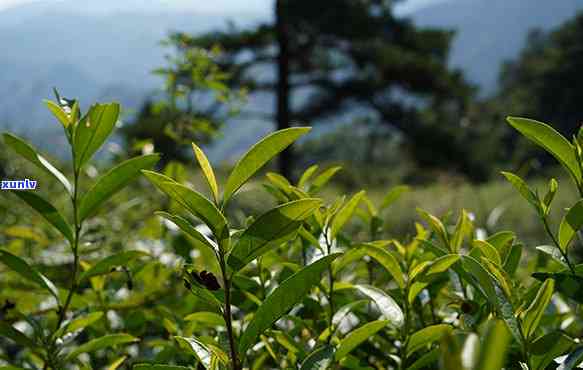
(307, 284)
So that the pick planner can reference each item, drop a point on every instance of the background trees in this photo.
(340, 59)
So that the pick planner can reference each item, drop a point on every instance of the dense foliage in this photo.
(308, 284)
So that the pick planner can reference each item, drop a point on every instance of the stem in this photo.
(75, 248)
(331, 288)
(557, 245)
(227, 312)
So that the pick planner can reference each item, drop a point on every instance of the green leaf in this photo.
(436, 225)
(489, 286)
(189, 229)
(48, 211)
(554, 252)
(59, 113)
(78, 323)
(393, 195)
(386, 304)
(387, 260)
(487, 250)
(159, 367)
(565, 282)
(207, 171)
(208, 318)
(462, 229)
(105, 265)
(544, 349)
(494, 347)
(533, 314)
(573, 360)
(523, 189)
(271, 230)
(320, 359)
(322, 179)
(550, 195)
(8, 331)
(426, 360)
(307, 175)
(570, 224)
(93, 130)
(196, 348)
(426, 336)
(358, 336)
(290, 292)
(258, 156)
(29, 153)
(344, 214)
(112, 182)
(550, 140)
(96, 344)
(196, 203)
(20, 266)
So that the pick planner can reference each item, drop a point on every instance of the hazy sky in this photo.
(216, 5)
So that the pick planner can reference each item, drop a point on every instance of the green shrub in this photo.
(307, 284)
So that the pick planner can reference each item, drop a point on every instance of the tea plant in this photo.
(307, 283)
(51, 344)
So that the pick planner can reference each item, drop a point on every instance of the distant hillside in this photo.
(492, 31)
(105, 50)
(97, 53)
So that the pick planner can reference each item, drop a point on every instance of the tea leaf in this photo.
(271, 230)
(112, 182)
(29, 153)
(494, 347)
(189, 229)
(522, 189)
(105, 265)
(570, 224)
(48, 211)
(197, 348)
(207, 170)
(322, 179)
(8, 331)
(106, 341)
(344, 214)
(549, 139)
(388, 261)
(386, 304)
(282, 299)
(20, 266)
(93, 130)
(319, 359)
(426, 336)
(307, 175)
(258, 156)
(358, 336)
(394, 194)
(78, 323)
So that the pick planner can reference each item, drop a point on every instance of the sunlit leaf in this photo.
(29, 153)
(48, 211)
(570, 224)
(358, 336)
(105, 341)
(550, 140)
(282, 299)
(20, 266)
(270, 230)
(207, 170)
(112, 182)
(258, 156)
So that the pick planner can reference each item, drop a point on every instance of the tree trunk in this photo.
(285, 162)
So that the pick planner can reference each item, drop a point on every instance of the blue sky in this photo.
(217, 6)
